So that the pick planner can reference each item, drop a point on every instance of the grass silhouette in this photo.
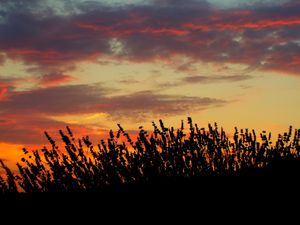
(164, 156)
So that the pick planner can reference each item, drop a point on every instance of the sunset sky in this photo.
(93, 64)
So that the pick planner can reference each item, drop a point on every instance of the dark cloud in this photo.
(26, 114)
(20, 129)
(141, 105)
(56, 100)
(289, 61)
(154, 31)
(214, 79)
(201, 79)
(2, 59)
(79, 99)
(129, 81)
(29, 129)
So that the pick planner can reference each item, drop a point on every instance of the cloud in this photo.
(26, 114)
(129, 81)
(201, 79)
(214, 79)
(140, 105)
(7, 84)
(150, 32)
(19, 129)
(80, 99)
(2, 59)
(283, 58)
(54, 40)
(55, 79)
(55, 100)
(28, 129)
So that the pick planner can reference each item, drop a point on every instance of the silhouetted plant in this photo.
(165, 153)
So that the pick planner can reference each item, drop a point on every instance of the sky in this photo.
(94, 64)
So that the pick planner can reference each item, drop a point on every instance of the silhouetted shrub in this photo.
(160, 156)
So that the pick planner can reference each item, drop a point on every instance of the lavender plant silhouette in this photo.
(163, 155)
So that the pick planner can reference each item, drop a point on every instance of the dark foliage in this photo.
(164, 157)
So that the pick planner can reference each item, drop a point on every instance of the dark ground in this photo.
(251, 191)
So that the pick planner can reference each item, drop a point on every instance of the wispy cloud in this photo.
(201, 79)
(215, 79)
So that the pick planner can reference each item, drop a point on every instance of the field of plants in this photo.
(161, 156)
